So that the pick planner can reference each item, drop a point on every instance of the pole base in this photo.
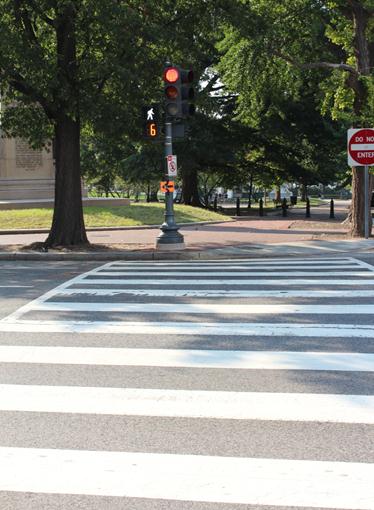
(170, 247)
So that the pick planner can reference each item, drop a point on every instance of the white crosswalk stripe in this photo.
(310, 329)
(194, 478)
(196, 358)
(188, 404)
(246, 329)
(203, 308)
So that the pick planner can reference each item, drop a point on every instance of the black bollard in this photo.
(261, 207)
(215, 203)
(332, 214)
(249, 203)
(307, 210)
(284, 208)
(238, 206)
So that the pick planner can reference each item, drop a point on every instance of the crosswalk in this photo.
(223, 383)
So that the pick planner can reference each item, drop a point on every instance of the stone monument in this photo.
(25, 173)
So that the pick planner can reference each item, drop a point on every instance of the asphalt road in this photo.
(254, 390)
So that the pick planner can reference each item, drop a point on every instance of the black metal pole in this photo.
(261, 207)
(238, 206)
(215, 203)
(307, 210)
(169, 239)
(284, 207)
(332, 214)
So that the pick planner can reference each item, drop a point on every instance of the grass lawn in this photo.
(131, 215)
(313, 201)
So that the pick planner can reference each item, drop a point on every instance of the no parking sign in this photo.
(172, 165)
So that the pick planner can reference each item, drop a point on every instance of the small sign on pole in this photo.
(166, 186)
(171, 165)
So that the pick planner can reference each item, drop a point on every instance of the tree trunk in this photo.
(153, 195)
(304, 192)
(68, 224)
(357, 224)
(278, 198)
(362, 54)
(190, 189)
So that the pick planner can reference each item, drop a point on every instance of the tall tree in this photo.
(61, 56)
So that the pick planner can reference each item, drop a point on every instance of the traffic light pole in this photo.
(169, 239)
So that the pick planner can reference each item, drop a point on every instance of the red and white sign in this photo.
(172, 165)
(361, 147)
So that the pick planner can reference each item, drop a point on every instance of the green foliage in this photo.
(271, 47)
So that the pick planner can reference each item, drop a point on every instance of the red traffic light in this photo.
(171, 75)
(171, 92)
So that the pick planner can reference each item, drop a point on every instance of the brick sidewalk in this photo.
(233, 233)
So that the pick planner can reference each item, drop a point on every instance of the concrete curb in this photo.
(135, 255)
(259, 251)
(122, 255)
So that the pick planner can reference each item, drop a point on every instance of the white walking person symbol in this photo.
(150, 114)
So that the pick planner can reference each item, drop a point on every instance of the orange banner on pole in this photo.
(167, 186)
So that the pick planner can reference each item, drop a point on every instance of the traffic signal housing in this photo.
(179, 92)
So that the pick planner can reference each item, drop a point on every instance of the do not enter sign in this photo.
(361, 147)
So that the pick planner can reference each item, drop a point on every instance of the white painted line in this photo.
(230, 282)
(362, 147)
(285, 267)
(246, 262)
(234, 273)
(247, 329)
(204, 308)
(309, 293)
(16, 286)
(231, 480)
(188, 404)
(365, 265)
(249, 360)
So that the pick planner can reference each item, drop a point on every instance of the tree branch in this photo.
(23, 19)
(34, 6)
(210, 85)
(317, 65)
(17, 82)
(330, 65)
